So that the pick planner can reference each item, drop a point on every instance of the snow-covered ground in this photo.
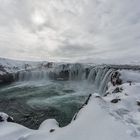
(99, 120)
(12, 66)
(127, 109)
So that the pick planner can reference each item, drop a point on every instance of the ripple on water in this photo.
(30, 103)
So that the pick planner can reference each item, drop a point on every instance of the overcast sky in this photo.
(71, 30)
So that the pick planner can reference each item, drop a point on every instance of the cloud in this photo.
(70, 30)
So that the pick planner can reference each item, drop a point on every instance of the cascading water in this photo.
(32, 75)
(100, 76)
(106, 78)
(76, 72)
(60, 72)
(57, 92)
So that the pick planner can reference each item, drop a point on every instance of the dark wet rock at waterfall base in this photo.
(115, 78)
(117, 90)
(106, 94)
(62, 76)
(6, 78)
(87, 70)
(115, 100)
(130, 82)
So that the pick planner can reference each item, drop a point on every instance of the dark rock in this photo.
(86, 102)
(130, 82)
(115, 78)
(6, 78)
(119, 81)
(5, 118)
(87, 72)
(115, 100)
(2, 68)
(138, 103)
(117, 90)
(10, 119)
(64, 74)
(48, 65)
(98, 97)
(52, 130)
(1, 119)
(106, 94)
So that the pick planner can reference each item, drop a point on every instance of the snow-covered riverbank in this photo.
(100, 119)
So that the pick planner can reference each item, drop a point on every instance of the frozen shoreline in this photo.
(100, 119)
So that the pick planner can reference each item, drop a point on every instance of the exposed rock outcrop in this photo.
(5, 118)
(138, 103)
(6, 78)
(115, 78)
(115, 100)
(117, 90)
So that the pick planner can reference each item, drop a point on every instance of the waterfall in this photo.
(92, 75)
(32, 75)
(100, 76)
(76, 72)
(59, 72)
(104, 82)
(69, 72)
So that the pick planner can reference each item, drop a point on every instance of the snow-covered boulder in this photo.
(5, 118)
(49, 125)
